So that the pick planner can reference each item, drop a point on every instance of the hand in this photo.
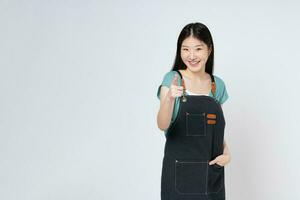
(221, 160)
(175, 90)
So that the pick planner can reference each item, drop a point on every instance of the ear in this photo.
(209, 51)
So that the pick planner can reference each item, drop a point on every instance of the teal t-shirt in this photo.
(221, 92)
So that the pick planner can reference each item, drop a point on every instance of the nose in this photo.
(191, 55)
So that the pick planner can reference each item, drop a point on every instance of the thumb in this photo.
(213, 162)
(175, 80)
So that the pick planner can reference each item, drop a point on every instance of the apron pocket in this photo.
(215, 178)
(195, 124)
(191, 177)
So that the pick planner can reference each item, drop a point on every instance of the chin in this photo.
(194, 69)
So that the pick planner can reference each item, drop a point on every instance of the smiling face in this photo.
(194, 54)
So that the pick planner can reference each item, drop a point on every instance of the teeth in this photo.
(193, 62)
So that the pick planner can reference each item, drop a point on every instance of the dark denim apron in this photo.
(194, 139)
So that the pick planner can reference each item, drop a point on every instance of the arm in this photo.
(164, 114)
(226, 149)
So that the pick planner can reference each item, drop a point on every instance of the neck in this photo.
(200, 75)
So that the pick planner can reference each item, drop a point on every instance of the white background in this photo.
(78, 83)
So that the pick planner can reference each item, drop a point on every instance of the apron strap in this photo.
(213, 84)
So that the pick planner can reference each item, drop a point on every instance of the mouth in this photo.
(194, 64)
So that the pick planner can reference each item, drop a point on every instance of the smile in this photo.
(194, 63)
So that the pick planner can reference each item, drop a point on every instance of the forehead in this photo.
(192, 42)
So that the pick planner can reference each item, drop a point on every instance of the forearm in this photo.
(164, 115)
(225, 148)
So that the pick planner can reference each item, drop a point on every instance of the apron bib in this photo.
(194, 138)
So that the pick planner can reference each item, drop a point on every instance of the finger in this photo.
(220, 161)
(213, 162)
(179, 93)
(175, 79)
(179, 87)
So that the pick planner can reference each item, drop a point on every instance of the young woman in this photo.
(191, 116)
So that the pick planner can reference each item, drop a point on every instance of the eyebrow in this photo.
(194, 46)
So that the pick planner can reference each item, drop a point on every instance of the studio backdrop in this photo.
(78, 106)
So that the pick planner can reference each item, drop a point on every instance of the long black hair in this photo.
(202, 33)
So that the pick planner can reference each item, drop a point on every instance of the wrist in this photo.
(170, 99)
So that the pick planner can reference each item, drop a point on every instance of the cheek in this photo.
(184, 55)
(204, 55)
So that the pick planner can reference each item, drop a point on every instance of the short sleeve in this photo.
(222, 94)
(167, 80)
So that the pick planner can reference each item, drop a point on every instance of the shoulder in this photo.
(168, 77)
(219, 81)
(167, 80)
(221, 92)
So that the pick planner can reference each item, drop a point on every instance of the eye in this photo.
(199, 49)
(184, 49)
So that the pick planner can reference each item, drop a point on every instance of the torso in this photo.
(198, 87)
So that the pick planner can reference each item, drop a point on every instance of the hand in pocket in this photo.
(221, 160)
